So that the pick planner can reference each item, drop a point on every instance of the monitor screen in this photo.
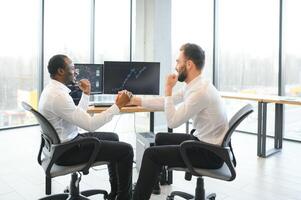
(92, 72)
(137, 77)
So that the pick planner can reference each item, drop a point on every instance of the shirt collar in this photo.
(194, 81)
(60, 85)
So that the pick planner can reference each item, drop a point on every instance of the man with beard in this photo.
(201, 102)
(58, 107)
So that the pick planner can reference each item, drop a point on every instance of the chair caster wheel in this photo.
(211, 196)
(66, 190)
(169, 198)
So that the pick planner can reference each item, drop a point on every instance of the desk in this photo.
(129, 109)
(262, 101)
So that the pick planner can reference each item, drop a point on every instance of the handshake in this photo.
(123, 98)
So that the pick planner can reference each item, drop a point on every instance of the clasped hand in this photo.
(123, 98)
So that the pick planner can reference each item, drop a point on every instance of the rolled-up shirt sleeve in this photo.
(84, 102)
(153, 103)
(158, 102)
(77, 115)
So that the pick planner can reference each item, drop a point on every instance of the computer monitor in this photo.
(137, 77)
(92, 72)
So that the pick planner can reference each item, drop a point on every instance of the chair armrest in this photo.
(222, 152)
(60, 149)
(40, 150)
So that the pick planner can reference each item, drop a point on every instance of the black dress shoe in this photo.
(112, 196)
(156, 189)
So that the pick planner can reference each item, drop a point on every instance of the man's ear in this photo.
(189, 64)
(60, 71)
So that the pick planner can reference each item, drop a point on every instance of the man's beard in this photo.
(69, 79)
(182, 75)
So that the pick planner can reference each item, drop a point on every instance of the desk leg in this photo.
(262, 130)
(151, 122)
(259, 129)
(278, 126)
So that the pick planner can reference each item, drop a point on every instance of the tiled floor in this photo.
(274, 178)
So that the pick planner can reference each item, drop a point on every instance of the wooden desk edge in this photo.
(129, 109)
(262, 98)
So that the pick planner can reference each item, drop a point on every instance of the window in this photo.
(18, 60)
(292, 66)
(67, 30)
(193, 22)
(112, 30)
(248, 46)
(248, 33)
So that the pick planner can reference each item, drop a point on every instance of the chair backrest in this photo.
(49, 134)
(235, 121)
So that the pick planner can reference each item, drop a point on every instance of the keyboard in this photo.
(102, 104)
(147, 134)
(106, 104)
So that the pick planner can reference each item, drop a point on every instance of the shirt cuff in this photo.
(168, 100)
(86, 97)
(114, 109)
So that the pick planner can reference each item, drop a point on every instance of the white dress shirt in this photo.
(58, 107)
(201, 102)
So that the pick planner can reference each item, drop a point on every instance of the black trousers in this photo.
(167, 153)
(118, 154)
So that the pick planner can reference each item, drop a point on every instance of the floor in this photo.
(275, 178)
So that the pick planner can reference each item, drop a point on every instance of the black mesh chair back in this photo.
(52, 149)
(226, 172)
(47, 130)
(238, 117)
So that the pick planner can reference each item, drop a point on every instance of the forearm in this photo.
(91, 123)
(84, 102)
(136, 101)
(174, 117)
(156, 103)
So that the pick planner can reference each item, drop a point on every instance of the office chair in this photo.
(52, 149)
(226, 172)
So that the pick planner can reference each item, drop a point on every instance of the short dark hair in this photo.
(56, 62)
(195, 53)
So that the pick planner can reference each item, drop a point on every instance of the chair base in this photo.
(73, 192)
(187, 196)
(82, 196)
(199, 193)
(64, 197)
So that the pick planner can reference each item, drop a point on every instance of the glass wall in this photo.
(248, 46)
(67, 30)
(292, 65)
(192, 21)
(18, 60)
(112, 30)
(247, 58)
